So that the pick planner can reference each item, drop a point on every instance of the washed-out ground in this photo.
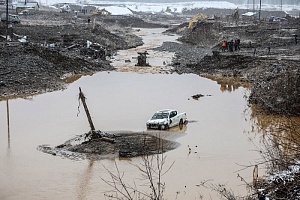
(56, 53)
(61, 47)
(56, 48)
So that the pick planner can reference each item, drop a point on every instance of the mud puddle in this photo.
(213, 147)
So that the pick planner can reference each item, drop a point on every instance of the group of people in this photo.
(231, 45)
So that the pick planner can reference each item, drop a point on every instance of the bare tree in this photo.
(152, 169)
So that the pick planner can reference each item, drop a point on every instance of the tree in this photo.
(152, 170)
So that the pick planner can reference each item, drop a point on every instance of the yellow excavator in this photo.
(195, 18)
(99, 11)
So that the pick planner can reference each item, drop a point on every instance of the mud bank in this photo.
(268, 58)
(274, 82)
(97, 144)
(48, 46)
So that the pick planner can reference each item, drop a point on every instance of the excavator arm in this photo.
(195, 18)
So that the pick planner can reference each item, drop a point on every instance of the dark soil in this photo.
(97, 144)
(269, 58)
(56, 47)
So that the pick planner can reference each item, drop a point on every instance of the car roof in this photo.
(165, 110)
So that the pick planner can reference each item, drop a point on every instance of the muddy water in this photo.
(219, 136)
(126, 60)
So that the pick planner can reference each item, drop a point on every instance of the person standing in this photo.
(224, 45)
(230, 45)
(235, 45)
(238, 43)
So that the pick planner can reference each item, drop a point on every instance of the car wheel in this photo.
(180, 122)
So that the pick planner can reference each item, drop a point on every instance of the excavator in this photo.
(195, 18)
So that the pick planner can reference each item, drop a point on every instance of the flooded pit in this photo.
(219, 136)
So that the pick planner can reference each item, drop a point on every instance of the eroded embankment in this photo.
(97, 144)
(275, 81)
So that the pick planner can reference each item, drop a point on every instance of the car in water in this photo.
(165, 119)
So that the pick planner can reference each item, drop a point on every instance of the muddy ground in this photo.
(96, 144)
(268, 58)
(56, 48)
(55, 53)
(60, 47)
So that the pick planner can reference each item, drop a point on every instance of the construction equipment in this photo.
(99, 11)
(65, 8)
(236, 15)
(142, 59)
(195, 18)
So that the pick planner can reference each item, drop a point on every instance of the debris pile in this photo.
(278, 91)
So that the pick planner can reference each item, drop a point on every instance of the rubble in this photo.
(56, 45)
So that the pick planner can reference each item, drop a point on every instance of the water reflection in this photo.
(84, 182)
(280, 132)
(8, 125)
(228, 87)
(227, 84)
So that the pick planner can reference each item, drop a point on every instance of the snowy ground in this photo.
(123, 7)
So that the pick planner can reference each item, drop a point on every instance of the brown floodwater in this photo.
(214, 146)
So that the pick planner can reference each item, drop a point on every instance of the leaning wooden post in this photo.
(82, 98)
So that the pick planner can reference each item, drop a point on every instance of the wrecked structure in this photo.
(142, 59)
(27, 7)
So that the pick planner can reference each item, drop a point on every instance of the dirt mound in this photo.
(95, 144)
(31, 69)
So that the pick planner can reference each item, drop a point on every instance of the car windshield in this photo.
(160, 115)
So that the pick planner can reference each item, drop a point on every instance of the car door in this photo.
(176, 118)
(173, 120)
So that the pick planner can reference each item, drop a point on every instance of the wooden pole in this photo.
(6, 36)
(82, 98)
(259, 10)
